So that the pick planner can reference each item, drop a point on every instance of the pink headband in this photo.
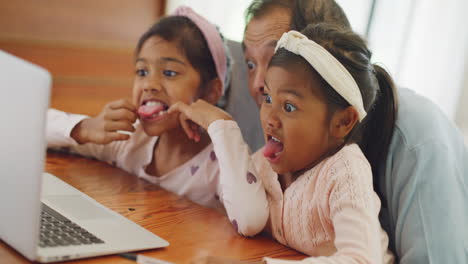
(212, 37)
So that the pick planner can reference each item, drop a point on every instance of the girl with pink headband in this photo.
(181, 58)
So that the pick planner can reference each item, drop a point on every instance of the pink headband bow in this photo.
(212, 37)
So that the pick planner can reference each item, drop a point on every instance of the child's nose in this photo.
(152, 85)
(150, 89)
(273, 120)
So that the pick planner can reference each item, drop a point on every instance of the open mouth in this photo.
(273, 149)
(152, 109)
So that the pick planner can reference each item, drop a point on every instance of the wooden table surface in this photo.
(192, 230)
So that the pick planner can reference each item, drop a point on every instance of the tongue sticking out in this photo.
(272, 148)
(149, 110)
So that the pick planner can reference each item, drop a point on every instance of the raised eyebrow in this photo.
(292, 92)
(163, 59)
(170, 59)
(272, 43)
(140, 59)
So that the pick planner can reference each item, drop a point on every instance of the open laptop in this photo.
(56, 222)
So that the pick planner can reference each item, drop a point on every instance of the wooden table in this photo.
(192, 230)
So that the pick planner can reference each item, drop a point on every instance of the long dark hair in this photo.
(378, 92)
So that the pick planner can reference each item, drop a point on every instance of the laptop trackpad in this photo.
(77, 206)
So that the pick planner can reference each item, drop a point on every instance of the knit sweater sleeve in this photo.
(353, 209)
(241, 188)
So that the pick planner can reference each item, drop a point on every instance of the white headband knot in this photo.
(331, 70)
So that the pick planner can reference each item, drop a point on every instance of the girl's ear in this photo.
(214, 91)
(343, 122)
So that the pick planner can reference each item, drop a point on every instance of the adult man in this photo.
(422, 182)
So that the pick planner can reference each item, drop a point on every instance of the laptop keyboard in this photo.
(57, 230)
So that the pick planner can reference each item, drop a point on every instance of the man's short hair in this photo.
(303, 12)
(259, 8)
(318, 11)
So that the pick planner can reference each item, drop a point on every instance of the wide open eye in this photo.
(169, 73)
(141, 72)
(250, 65)
(288, 107)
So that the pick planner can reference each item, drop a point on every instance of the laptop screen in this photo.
(24, 100)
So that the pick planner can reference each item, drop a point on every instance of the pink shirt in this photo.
(330, 212)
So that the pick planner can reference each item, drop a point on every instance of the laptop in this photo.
(42, 217)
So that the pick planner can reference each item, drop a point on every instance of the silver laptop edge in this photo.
(24, 100)
(24, 94)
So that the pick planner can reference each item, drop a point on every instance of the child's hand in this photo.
(199, 114)
(220, 260)
(102, 129)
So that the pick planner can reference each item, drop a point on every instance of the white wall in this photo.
(462, 113)
(228, 15)
(358, 12)
(387, 36)
(424, 44)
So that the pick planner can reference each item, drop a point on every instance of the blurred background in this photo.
(88, 45)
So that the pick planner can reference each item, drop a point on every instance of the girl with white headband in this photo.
(320, 91)
(180, 58)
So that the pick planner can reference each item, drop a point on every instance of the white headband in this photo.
(326, 65)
